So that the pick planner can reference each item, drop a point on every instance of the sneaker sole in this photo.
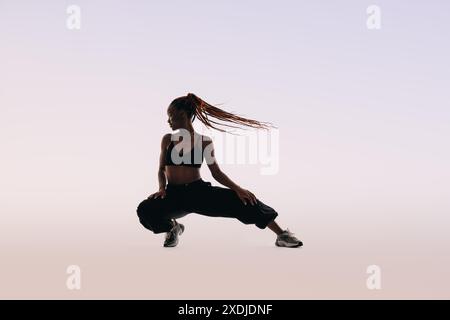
(170, 245)
(287, 245)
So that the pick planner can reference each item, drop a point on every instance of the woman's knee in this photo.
(144, 212)
(149, 209)
(143, 208)
(152, 214)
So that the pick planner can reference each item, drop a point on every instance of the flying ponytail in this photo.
(198, 108)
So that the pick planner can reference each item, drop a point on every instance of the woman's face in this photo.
(176, 118)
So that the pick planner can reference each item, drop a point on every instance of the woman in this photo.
(186, 192)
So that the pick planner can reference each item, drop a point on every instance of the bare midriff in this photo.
(182, 174)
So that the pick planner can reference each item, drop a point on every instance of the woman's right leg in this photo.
(157, 215)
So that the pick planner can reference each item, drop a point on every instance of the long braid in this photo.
(203, 111)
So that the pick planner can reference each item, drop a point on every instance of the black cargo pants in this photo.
(202, 198)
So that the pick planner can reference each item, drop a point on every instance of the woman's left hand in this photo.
(246, 196)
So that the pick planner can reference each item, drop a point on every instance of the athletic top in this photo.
(195, 157)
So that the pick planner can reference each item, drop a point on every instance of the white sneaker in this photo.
(172, 235)
(287, 239)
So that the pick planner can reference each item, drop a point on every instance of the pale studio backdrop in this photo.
(363, 153)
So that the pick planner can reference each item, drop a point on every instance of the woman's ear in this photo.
(183, 116)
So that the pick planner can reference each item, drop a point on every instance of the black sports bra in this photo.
(195, 157)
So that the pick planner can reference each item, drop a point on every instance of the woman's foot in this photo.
(287, 239)
(172, 235)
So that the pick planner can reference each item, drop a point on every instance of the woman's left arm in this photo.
(222, 178)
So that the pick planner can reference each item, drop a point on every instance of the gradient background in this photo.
(364, 147)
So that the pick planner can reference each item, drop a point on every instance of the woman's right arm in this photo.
(162, 162)
(162, 168)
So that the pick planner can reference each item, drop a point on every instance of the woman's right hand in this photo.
(161, 193)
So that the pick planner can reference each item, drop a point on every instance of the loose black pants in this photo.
(202, 198)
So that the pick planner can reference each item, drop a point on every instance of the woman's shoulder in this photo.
(166, 139)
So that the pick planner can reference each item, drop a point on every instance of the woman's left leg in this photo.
(275, 227)
(208, 200)
(216, 201)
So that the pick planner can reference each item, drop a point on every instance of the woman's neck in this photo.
(189, 128)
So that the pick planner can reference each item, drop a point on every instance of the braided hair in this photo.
(196, 107)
